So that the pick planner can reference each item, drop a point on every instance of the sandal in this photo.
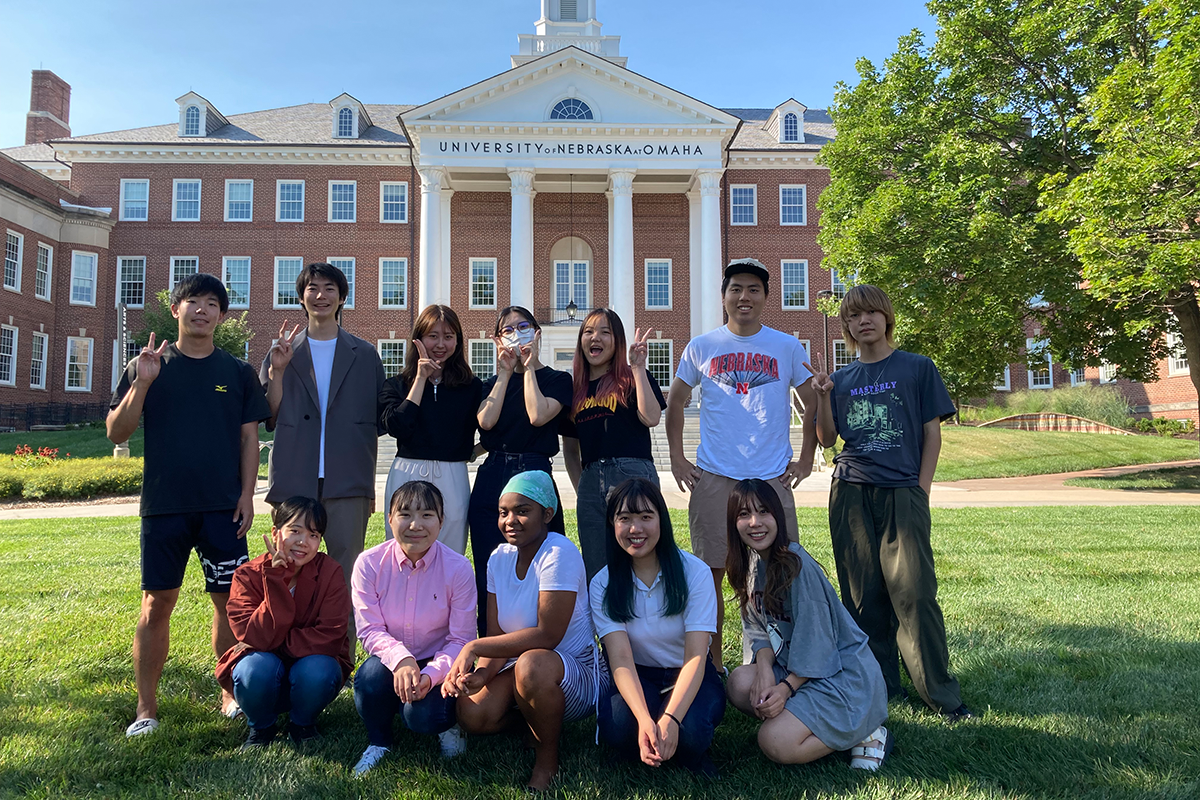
(870, 753)
(141, 727)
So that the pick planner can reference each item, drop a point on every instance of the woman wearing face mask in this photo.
(430, 409)
(518, 424)
(606, 438)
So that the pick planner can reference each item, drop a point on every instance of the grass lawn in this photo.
(1072, 630)
(1153, 479)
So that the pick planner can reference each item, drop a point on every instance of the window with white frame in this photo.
(8, 355)
(131, 281)
(79, 364)
(345, 129)
(185, 206)
(1003, 380)
(342, 204)
(393, 202)
(239, 201)
(346, 265)
(235, 274)
(135, 199)
(1177, 360)
(842, 357)
(1078, 377)
(572, 283)
(83, 279)
(37, 362)
(792, 208)
(482, 358)
(393, 283)
(289, 201)
(743, 204)
(1108, 372)
(191, 121)
(483, 283)
(391, 353)
(43, 273)
(14, 248)
(658, 283)
(837, 284)
(181, 267)
(287, 270)
(807, 349)
(1042, 377)
(791, 127)
(121, 360)
(660, 361)
(795, 283)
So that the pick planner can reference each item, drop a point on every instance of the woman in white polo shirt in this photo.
(655, 609)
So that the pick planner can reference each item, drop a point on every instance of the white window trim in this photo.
(275, 281)
(49, 274)
(121, 210)
(225, 278)
(403, 350)
(481, 341)
(45, 359)
(20, 259)
(337, 116)
(1175, 342)
(407, 200)
(1029, 345)
(1080, 381)
(329, 203)
(754, 205)
(782, 287)
(279, 202)
(379, 281)
(95, 278)
(1006, 384)
(117, 281)
(670, 283)
(804, 209)
(203, 124)
(91, 364)
(175, 198)
(471, 282)
(239, 180)
(1104, 365)
(171, 269)
(591, 277)
(16, 349)
(670, 359)
(833, 354)
(783, 138)
(353, 287)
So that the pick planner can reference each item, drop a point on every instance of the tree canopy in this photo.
(232, 335)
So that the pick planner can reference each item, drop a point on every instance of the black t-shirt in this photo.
(193, 416)
(880, 410)
(441, 428)
(609, 429)
(513, 432)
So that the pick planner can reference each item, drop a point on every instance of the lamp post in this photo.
(822, 295)
(571, 309)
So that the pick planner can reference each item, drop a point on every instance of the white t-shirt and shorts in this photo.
(745, 418)
(557, 567)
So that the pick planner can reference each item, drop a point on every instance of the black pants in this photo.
(483, 514)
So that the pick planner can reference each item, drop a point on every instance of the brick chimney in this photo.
(49, 114)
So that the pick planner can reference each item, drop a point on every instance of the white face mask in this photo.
(519, 338)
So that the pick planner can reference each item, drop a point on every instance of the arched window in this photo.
(571, 109)
(791, 128)
(191, 121)
(345, 127)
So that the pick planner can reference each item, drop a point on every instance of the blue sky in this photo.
(127, 61)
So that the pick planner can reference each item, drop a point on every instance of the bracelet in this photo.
(673, 719)
(788, 684)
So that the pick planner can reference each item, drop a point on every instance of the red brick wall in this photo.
(479, 228)
(52, 94)
(661, 230)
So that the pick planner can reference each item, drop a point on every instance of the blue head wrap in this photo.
(536, 485)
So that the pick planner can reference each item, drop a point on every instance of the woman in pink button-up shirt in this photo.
(414, 608)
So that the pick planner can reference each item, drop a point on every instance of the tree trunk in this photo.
(1187, 311)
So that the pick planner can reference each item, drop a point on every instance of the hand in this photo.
(279, 559)
(455, 681)
(281, 352)
(647, 740)
(822, 382)
(764, 679)
(506, 358)
(529, 352)
(426, 366)
(149, 362)
(686, 473)
(410, 685)
(245, 513)
(668, 737)
(796, 471)
(773, 701)
(639, 349)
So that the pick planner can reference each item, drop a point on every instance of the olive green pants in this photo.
(885, 568)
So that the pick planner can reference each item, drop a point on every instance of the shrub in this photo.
(75, 479)
(1097, 403)
(1162, 426)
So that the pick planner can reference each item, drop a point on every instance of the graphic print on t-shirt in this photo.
(744, 371)
(871, 412)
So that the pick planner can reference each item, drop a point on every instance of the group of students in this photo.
(515, 642)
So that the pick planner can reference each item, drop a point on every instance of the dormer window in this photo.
(791, 127)
(198, 117)
(345, 124)
(191, 121)
(786, 123)
(571, 108)
(350, 119)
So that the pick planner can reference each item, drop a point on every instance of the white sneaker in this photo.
(453, 742)
(370, 758)
(142, 727)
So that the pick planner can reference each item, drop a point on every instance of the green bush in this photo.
(1097, 403)
(1162, 426)
(72, 479)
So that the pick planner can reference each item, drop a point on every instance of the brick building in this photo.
(565, 183)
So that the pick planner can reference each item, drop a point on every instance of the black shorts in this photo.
(168, 540)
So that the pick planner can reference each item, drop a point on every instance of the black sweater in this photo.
(442, 428)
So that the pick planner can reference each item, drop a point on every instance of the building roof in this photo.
(818, 130)
(307, 124)
(30, 152)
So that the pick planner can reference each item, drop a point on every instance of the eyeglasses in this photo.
(520, 327)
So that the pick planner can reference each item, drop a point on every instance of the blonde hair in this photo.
(866, 298)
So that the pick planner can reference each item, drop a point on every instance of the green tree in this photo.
(232, 335)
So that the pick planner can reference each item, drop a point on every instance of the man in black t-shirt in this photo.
(201, 408)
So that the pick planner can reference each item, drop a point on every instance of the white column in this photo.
(710, 249)
(431, 235)
(622, 273)
(694, 306)
(520, 253)
(442, 295)
(608, 195)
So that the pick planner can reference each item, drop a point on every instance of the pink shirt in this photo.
(424, 610)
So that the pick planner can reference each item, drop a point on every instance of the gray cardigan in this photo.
(351, 425)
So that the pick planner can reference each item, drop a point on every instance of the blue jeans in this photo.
(596, 481)
(265, 687)
(377, 703)
(619, 727)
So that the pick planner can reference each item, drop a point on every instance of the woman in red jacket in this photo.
(289, 609)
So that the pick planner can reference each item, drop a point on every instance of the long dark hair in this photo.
(617, 383)
(782, 564)
(522, 310)
(638, 495)
(455, 371)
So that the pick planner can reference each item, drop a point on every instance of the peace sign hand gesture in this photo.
(426, 367)
(822, 382)
(149, 362)
(279, 559)
(639, 350)
(281, 352)
(506, 357)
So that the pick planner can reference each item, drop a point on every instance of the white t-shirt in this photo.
(745, 399)
(557, 567)
(656, 639)
(322, 358)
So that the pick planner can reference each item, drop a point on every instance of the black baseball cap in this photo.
(748, 266)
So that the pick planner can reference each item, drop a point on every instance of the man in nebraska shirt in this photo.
(746, 372)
